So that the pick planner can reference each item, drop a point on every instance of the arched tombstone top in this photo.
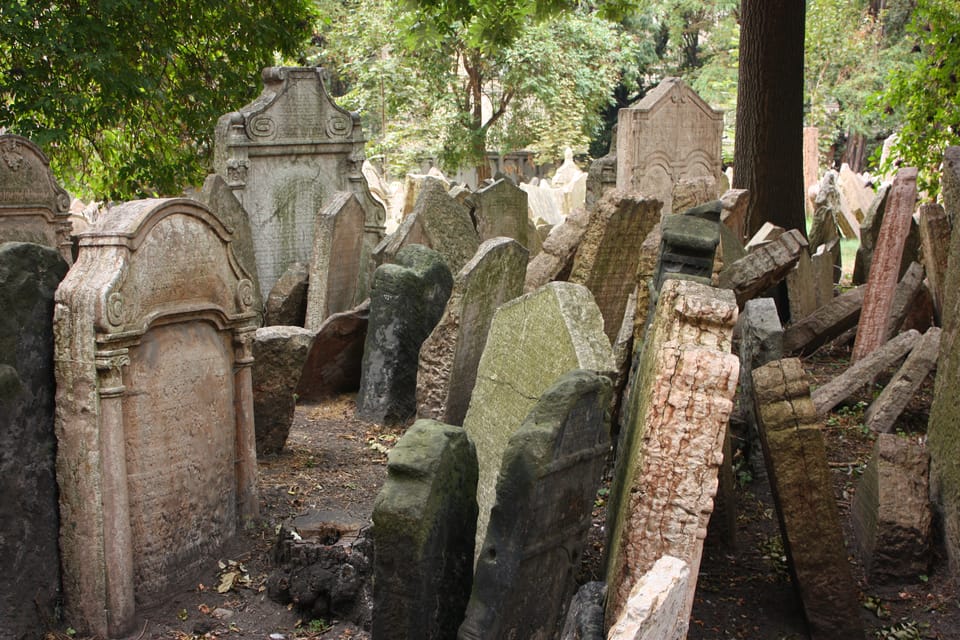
(157, 259)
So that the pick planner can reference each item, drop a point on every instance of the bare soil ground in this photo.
(336, 463)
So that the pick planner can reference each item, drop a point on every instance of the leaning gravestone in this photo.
(279, 354)
(424, 522)
(284, 155)
(287, 301)
(406, 301)
(501, 210)
(337, 261)
(29, 557)
(539, 523)
(533, 340)
(33, 207)
(607, 258)
(669, 135)
(155, 455)
(449, 357)
(334, 362)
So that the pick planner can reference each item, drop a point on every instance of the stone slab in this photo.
(825, 324)
(555, 259)
(935, 244)
(334, 363)
(287, 301)
(500, 210)
(278, 357)
(655, 610)
(764, 267)
(882, 414)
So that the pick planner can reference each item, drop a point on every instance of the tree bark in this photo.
(768, 153)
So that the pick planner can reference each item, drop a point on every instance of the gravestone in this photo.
(646, 272)
(607, 258)
(950, 184)
(337, 260)
(500, 209)
(538, 527)
(935, 243)
(155, 436)
(885, 266)
(671, 447)
(892, 521)
(693, 192)
(827, 323)
(555, 259)
(33, 207)
(734, 213)
(761, 341)
(532, 341)
(601, 176)
(217, 196)
(687, 251)
(279, 353)
(869, 229)
(767, 265)
(334, 363)
(287, 301)
(438, 222)
(285, 155)
(655, 609)
(826, 214)
(796, 458)
(406, 302)
(447, 369)
(424, 522)
(855, 195)
(669, 135)
(29, 523)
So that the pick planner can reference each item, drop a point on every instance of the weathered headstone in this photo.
(693, 192)
(734, 214)
(768, 232)
(855, 195)
(284, 155)
(764, 267)
(935, 243)
(863, 371)
(538, 527)
(423, 532)
(655, 609)
(826, 214)
(287, 301)
(337, 260)
(761, 341)
(33, 207)
(601, 176)
(672, 444)
(533, 340)
(892, 521)
(950, 184)
(825, 324)
(437, 221)
(585, 614)
(334, 363)
(450, 355)
(801, 287)
(905, 297)
(869, 229)
(607, 258)
(29, 522)
(796, 458)
(155, 456)
(279, 353)
(500, 210)
(555, 259)
(406, 301)
(882, 414)
(687, 250)
(885, 267)
(669, 135)
(217, 196)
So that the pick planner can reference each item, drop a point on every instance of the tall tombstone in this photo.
(501, 210)
(793, 448)
(607, 258)
(29, 522)
(284, 155)
(533, 340)
(156, 463)
(538, 527)
(935, 244)
(337, 261)
(447, 368)
(33, 207)
(869, 229)
(669, 135)
(761, 341)
(406, 302)
(826, 213)
(671, 448)
(950, 184)
(424, 522)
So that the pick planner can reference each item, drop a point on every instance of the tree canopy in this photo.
(123, 95)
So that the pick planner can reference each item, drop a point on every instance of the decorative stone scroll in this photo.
(33, 207)
(284, 155)
(156, 462)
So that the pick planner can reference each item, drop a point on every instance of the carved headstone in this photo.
(892, 520)
(279, 353)
(29, 525)
(424, 522)
(671, 446)
(450, 355)
(337, 260)
(669, 135)
(155, 457)
(334, 363)
(827, 212)
(764, 267)
(869, 229)
(285, 155)
(406, 302)
(935, 243)
(500, 210)
(555, 259)
(734, 214)
(607, 258)
(796, 458)
(533, 340)
(693, 192)
(33, 207)
(825, 324)
(687, 250)
(539, 523)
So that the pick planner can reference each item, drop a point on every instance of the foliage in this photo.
(922, 92)
(123, 95)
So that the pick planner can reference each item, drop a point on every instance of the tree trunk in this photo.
(768, 155)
